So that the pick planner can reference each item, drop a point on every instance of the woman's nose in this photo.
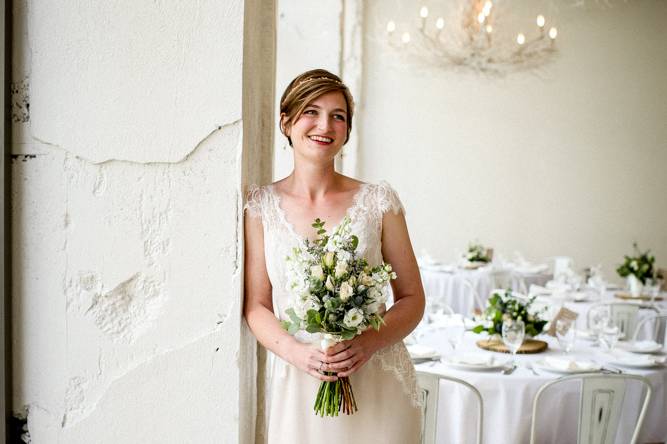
(323, 123)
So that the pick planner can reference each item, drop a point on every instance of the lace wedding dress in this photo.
(385, 388)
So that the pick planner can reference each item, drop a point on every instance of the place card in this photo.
(563, 313)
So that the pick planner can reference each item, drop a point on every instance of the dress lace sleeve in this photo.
(388, 199)
(255, 200)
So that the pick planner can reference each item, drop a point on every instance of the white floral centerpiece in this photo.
(637, 269)
(477, 254)
(337, 294)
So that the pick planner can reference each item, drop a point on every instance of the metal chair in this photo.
(478, 300)
(623, 314)
(658, 330)
(600, 406)
(430, 387)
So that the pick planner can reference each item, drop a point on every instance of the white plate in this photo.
(634, 363)
(542, 365)
(448, 361)
(631, 347)
(420, 352)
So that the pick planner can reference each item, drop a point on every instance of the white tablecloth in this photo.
(449, 287)
(508, 400)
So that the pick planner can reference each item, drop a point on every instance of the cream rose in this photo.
(341, 269)
(317, 272)
(345, 291)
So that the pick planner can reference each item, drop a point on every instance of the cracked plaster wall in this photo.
(126, 179)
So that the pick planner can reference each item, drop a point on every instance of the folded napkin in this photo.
(644, 345)
(531, 269)
(418, 351)
(639, 360)
(570, 365)
(473, 359)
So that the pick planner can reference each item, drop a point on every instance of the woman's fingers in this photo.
(317, 375)
(353, 369)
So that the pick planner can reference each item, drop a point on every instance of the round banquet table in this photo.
(447, 285)
(508, 398)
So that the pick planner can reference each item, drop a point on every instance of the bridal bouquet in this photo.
(336, 293)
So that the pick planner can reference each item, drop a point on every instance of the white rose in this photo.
(317, 272)
(345, 291)
(353, 318)
(328, 259)
(329, 284)
(366, 280)
(341, 269)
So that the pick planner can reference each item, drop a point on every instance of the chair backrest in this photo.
(478, 300)
(658, 331)
(561, 264)
(600, 406)
(429, 384)
(623, 314)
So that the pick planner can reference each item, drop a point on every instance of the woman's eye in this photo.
(310, 112)
(339, 117)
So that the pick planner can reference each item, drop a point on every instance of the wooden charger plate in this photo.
(529, 346)
(629, 297)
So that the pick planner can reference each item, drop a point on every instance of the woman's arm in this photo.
(402, 317)
(258, 308)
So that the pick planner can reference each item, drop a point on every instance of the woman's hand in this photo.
(311, 360)
(347, 357)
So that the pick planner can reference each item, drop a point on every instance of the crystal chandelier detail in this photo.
(474, 38)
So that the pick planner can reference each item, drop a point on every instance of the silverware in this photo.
(509, 370)
(530, 367)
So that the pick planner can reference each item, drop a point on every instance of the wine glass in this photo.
(599, 317)
(652, 287)
(513, 331)
(454, 331)
(566, 334)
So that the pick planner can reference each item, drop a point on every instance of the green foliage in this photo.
(641, 265)
(508, 306)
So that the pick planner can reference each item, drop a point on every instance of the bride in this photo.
(316, 117)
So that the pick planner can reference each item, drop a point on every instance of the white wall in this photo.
(570, 162)
(126, 204)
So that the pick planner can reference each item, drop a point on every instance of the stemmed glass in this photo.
(566, 334)
(513, 331)
(454, 331)
(609, 335)
(653, 288)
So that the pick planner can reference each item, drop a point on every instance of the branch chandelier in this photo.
(474, 39)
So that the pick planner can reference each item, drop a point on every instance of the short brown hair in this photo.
(307, 87)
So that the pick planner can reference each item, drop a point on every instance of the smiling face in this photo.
(321, 129)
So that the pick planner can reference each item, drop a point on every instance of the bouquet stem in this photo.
(332, 397)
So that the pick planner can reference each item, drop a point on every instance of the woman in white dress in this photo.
(316, 114)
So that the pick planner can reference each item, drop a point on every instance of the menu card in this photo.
(563, 313)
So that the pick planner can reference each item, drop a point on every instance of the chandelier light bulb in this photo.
(440, 23)
(540, 21)
(481, 17)
(553, 32)
(489, 29)
(391, 26)
(423, 12)
(521, 39)
(405, 37)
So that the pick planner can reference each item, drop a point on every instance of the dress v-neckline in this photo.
(290, 227)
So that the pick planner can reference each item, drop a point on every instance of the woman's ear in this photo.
(283, 126)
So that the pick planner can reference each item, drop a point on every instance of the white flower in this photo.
(328, 259)
(345, 291)
(374, 294)
(353, 318)
(317, 272)
(373, 307)
(329, 283)
(366, 280)
(341, 269)
(344, 255)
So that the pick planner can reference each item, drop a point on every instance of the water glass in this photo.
(514, 330)
(652, 287)
(565, 333)
(609, 336)
(454, 331)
